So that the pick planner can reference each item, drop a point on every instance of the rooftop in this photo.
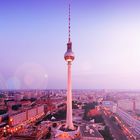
(89, 131)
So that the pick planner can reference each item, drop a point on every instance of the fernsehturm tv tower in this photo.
(69, 57)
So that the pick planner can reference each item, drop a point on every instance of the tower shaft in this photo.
(69, 120)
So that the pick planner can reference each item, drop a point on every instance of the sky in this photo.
(105, 36)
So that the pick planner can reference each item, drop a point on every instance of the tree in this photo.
(49, 129)
(61, 114)
(48, 136)
(3, 112)
(16, 107)
(106, 133)
(33, 99)
(88, 107)
(54, 125)
(2, 95)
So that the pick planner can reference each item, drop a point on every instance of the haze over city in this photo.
(105, 37)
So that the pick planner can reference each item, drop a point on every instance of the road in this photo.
(116, 132)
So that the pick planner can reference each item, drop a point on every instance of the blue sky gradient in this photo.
(105, 36)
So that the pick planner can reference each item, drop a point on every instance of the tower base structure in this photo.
(67, 134)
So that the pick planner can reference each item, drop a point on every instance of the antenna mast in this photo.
(69, 26)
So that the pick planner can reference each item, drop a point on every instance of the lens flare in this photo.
(13, 83)
(2, 82)
(32, 76)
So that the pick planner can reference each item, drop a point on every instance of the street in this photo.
(116, 132)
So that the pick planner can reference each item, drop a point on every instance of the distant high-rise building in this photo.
(125, 104)
(134, 105)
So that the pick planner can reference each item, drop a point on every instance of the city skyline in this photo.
(105, 38)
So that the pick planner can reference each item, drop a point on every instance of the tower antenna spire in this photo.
(69, 25)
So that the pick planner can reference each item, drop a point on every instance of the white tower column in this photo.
(69, 122)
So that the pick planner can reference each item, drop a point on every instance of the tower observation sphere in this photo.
(69, 55)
